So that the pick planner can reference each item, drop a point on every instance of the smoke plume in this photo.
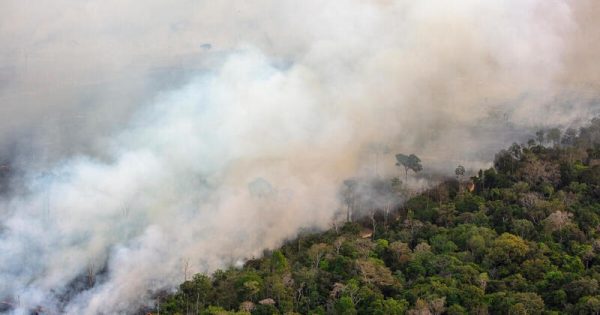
(151, 139)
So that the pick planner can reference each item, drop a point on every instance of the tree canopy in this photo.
(409, 162)
(525, 240)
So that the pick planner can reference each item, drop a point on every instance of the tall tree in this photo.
(409, 162)
(459, 171)
(349, 196)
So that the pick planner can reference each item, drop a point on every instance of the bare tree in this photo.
(349, 195)
(386, 213)
(186, 268)
(316, 252)
(338, 244)
(373, 221)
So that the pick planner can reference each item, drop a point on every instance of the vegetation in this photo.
(523, 238)
(409, 162)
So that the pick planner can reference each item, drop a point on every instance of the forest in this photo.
(518, 238)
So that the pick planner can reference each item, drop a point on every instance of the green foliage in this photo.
(345, 306)
(469, 203)
(456, 309)
(409, 162)
(278, 261)
(507, 249)
(425, 208)
(525, 241)
(388, 306)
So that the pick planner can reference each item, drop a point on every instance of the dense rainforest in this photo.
(522, 237)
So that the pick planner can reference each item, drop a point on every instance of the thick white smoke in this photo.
(155, 174)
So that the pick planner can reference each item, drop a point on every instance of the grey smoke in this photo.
(140, 126)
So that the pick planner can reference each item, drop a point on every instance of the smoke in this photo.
(140, 128)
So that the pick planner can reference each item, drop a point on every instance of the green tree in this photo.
(197, 291)
(507, 249)
(278, 261)
(588, 305)
(456, 309)
(345, 306)
(409, 162)
(388, 306)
